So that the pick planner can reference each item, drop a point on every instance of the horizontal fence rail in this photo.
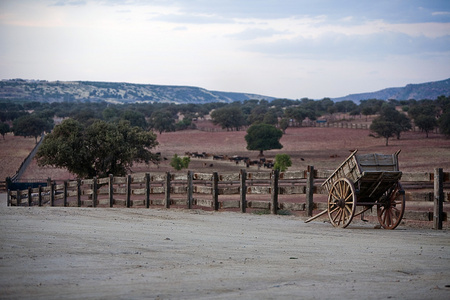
(239, 191)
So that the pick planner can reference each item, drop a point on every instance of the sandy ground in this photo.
(120, 253)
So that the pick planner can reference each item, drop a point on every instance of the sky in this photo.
(280, 48)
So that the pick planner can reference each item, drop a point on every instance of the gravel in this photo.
(129, 253)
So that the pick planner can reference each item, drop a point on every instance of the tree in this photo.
(228, 117)
(384, 128)
(135, 118)
(31, 125)
(284, 124)
(424, 114)
(390, 122)
(270, 117)
(162, 120)
(263, 137)
(98, 150)
(282, 162)
(426, 123)
(4, 129)
(179, 163)
(444, 123)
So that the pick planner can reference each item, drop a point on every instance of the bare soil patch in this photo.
(323, 148)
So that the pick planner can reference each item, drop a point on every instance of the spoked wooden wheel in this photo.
(341, 203)
(391, 207)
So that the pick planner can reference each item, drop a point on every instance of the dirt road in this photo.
(120, 253)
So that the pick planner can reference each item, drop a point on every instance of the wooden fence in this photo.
(274, 191)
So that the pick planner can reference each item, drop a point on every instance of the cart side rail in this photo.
(349, 169)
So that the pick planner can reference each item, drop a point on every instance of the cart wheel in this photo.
(342, 203)
(392, 206)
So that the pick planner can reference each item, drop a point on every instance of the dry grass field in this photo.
(323, 148)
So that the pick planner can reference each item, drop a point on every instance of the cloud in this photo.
(191, 19)
(69, 3)
(333, 46)
(255, 33)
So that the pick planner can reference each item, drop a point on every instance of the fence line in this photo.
(239, 191)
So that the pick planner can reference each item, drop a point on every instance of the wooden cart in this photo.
(361, 182)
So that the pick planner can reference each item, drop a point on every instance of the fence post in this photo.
(274, 192)
(94, 192)
(128, 201)
(438, 198)
(167, 191)
(215, 190)
(18, 200)
(40, 195)
(243, 190)
(52, 194)
(29, 196)
(309, 206)
(65, 193)
(190, 188)
(147, 190)
(111, 190)
(79, 192)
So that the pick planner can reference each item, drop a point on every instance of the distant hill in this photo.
(115, 92)
(428, 90)
(121, 92)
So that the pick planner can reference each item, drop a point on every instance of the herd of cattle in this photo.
(262, 162)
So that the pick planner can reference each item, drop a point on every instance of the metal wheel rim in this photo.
(391, 213)
(341, 203)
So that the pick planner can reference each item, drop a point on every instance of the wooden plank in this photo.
(292, 175)
(103, 201)
(103, 191)
(229, 190)
(323, 173)
(120, 180)
(120, 191)
(138, 178)
(416, 176)
(139, 202)
(258, 190)
(182, 177)
(418, 215)
(182, 202)
(230, 204)
(87, 181)
(259, 204)
(229, 177)
(424, 196)
(291, 190)
(138, 191)
(104, 180)
(203, 202)
(72, 193)
(157, 190)
(202, 189)
(258, 175)
(292, 206)
(158, 201)
(158, 177)
(72, 184)
(203, 176)
(178, 189)
(121, 202)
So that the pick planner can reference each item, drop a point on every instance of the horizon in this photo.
(284, 49)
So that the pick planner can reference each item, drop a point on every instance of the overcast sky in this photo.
(280, 48)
